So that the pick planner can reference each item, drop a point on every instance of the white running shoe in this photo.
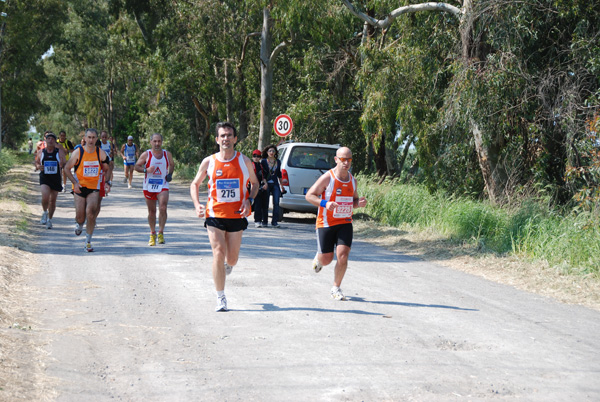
(258, 224)
(88, 247)
(78, 229)
(228, 269)
(221, 304)
(338, 295)
(48, 224)
(44, 218)
(128, 185)
(316, 265)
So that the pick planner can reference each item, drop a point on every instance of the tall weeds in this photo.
(570, 242)
(7, 161)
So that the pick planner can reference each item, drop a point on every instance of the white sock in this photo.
(220, 293)
(334, 289)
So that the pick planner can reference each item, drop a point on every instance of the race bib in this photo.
(344, 209)
(228, 190)
(50, 167)
(91, 168)
(130, 157)
(155, 185)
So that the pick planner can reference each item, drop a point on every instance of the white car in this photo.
(302, 164)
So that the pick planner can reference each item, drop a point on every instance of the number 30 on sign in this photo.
(283, 125)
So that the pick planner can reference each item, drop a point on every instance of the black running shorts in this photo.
(53, 181)
(327, 238)
(85, 192)
(227, 225)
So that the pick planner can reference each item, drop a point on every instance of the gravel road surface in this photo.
(137, 323)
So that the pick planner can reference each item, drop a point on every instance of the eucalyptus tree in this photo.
(26, 33)
(513, 70)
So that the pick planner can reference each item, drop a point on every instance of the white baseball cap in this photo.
(129, 138)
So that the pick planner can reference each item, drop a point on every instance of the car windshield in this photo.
(312, 158)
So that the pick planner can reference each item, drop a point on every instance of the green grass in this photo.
(7, 160)
(570, 242)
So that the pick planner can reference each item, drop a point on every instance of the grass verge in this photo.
(21, 370)
(568, 242)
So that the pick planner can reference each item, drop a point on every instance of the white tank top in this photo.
(155, 182)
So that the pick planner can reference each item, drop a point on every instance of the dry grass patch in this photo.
(536, 277)
(21, 369)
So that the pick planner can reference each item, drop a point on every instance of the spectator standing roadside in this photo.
(260, 173)
(30, 145)
(157, 166)
(335, 193)
(229, 202)
(272, 166)
(50, 162)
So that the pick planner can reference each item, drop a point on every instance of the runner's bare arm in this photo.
(61, 158)
(171, 163)
(247, 205)
(69, 165)
(195, 187)
(36, 160)
(139, 165)
(358, 202)
(313, 195)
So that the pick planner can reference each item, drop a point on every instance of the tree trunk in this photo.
(379, 158)
(391, 158)
(228, 94)
(409, 140)
(242, 93)
(266, 82)
(488, 152)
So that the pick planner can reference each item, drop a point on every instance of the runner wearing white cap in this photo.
(130, 154)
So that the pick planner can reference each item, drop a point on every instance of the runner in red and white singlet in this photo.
(157, 166)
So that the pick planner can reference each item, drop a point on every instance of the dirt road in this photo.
(136, 323)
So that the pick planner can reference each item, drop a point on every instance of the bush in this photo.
(569, 241)
(7, 161)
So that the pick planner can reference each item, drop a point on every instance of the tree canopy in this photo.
(487, 98)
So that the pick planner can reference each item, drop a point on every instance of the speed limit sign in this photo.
(283, 125)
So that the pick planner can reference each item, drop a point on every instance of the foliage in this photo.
(7, 161)
(567, 241)
(22, 45)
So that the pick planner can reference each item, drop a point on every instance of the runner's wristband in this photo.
(251, 200)
(323, 203)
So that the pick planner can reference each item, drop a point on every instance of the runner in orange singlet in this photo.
(229, 202)
(336, 195)
(90, 162)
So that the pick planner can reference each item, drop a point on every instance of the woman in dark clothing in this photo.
(262, 190)
(272, 167)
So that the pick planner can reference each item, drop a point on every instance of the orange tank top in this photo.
(226, 187)
(89, 169)
(341, 192)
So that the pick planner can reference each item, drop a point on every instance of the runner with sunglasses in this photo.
(335, 193)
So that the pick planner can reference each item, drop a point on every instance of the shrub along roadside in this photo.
(7, 161)
(569, 242)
